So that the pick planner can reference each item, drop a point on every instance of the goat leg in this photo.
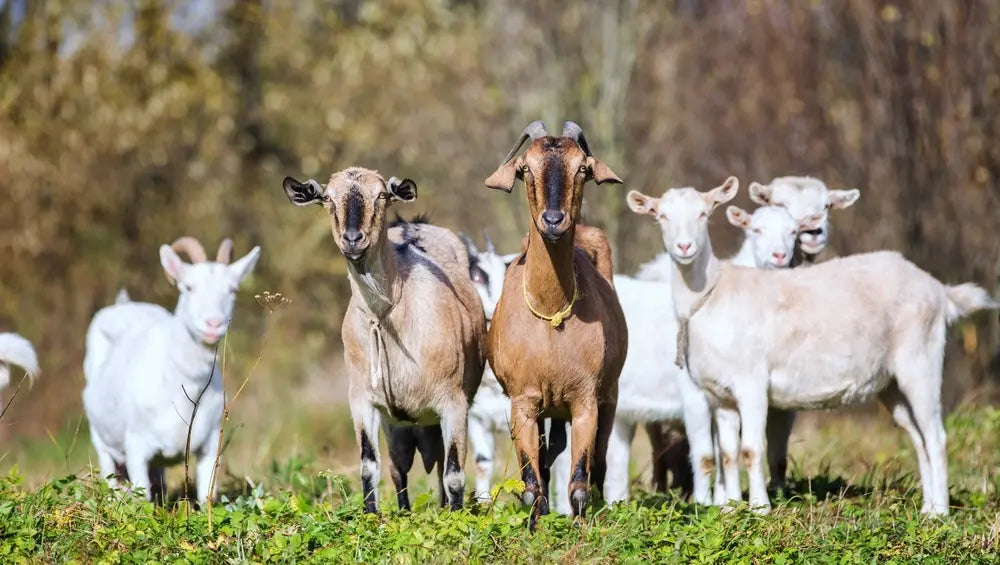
(402, 447)
(524, 431)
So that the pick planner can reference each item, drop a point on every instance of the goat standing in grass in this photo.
(413, 331)
(490, 410)
(558, 338)
(749, 339)
(145, 366)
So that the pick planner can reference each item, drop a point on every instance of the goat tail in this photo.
(15, 350)
(966, 298)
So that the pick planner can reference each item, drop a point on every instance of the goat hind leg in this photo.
(584, 424)
(779, 429)
(453, 432)
(402, 447)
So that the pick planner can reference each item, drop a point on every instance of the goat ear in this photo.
(303, 193)
(601, 172)
(172, 264)
(738, 217)
(403, 190)
(640, 203)
(244, 265)
(813, 222)
(503, 178)
(840, 199)
(760, 193)
(724, 192)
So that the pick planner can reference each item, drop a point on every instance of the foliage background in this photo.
(125, 125)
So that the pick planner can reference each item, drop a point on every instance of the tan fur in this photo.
(411, 298)
(569, 372)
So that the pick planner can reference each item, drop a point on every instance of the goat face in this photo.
(554, 170)
(207, 291)
(805, 198)
(683, 216)
(356, 200)
(771, 232)
(487, 269)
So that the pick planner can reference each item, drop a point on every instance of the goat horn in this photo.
(225, 253)
(575, 132)
(534, 130)
(191, 246)
(489, 242)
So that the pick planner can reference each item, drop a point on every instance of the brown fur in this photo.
(570, 372)
(594, 243)
(412, 282)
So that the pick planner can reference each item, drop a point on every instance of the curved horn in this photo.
(191, 246)
(225, 253)
(489, 242)
(574, 131)
(534, 130)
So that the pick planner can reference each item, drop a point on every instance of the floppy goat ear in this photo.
(601, 172)
(738, 217)
(503, 178)
(840, 199)
(724, 192)
(641, 204)
(760, 193)
(303, 193)
(403, 190)
(173, 266)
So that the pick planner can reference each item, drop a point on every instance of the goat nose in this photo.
(352, 236)
(684, 247)
(778, 256)
(553, 217)
(214, 323)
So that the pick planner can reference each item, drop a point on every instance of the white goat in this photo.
(16, 351)
(748, 336)
(808, 200)
(490, 410)
(145, 367)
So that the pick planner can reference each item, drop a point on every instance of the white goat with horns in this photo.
(146, 368)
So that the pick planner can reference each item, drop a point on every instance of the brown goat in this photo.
(413, 330)
(558, 338)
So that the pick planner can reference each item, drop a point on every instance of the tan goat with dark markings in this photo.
(558, 338)
(413, 330)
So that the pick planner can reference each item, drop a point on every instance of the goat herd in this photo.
(724, 351)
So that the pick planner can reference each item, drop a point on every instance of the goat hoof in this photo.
(762, 509)
(579, 502)
(528, 498)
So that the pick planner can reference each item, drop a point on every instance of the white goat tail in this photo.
(15, 350)
(966, 298)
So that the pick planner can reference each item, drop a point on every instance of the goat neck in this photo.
(549, 271)
(695, 279)
(375, 279)
(189, 356)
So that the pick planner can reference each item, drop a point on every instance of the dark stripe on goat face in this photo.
(355, 204)
(555, 175)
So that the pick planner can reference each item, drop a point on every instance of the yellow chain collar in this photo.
(555, 320)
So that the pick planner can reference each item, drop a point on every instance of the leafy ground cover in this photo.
(299, 512)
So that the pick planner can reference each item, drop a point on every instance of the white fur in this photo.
(16, 351)
(755, 342)
(144, 363)
(805, 197)
(490, 410)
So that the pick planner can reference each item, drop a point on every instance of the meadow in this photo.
(853, 498)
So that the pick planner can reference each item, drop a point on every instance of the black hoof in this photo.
(578, 501)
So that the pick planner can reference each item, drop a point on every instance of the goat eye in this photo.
(326, 198)
(187, 288)
(583, 168)
(663, 218)
(524, 168)
(702, 215)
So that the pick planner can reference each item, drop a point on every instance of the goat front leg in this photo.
(602, 436)
(366, 429)
(454, 420)
(727, 429)
(753, 421)
(205, 469)
(483, 446)
(524, 412)
(584, 425)
(137, 464)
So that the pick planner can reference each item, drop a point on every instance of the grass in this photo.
(854, 499)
